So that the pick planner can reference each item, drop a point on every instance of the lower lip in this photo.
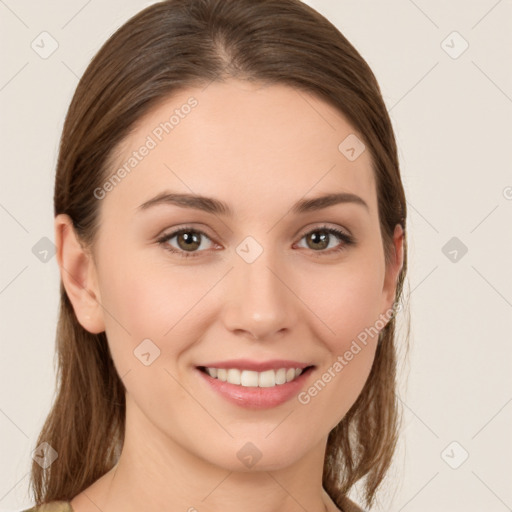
(256, 397)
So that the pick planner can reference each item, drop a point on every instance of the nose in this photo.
(260, 302)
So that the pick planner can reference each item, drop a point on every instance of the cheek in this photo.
(143, 301)
(347, 300)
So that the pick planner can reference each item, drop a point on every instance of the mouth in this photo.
(255, 384)
(257, 379)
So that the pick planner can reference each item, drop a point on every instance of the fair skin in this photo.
(260, 150)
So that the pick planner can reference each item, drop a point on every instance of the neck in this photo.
(156, 473)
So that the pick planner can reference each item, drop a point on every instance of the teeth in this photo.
(251, 379)
(233, 376)
(281, 376)
(248, 379)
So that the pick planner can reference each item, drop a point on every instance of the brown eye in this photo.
(188, 241)
(319, 239)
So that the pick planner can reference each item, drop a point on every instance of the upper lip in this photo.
(257, 366)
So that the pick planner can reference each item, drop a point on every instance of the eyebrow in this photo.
(211, 205)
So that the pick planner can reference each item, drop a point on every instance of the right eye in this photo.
(188, 240)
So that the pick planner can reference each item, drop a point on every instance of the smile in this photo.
(253, 379)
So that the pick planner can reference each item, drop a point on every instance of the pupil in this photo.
(322, 239)
(190, 240)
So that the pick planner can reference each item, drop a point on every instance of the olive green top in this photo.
(65, 506)
(54, 506)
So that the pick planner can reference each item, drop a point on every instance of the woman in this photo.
(230, 231)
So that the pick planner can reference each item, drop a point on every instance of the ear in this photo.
(78, 274)
(393, 269)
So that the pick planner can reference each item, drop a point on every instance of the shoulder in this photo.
(53, 506)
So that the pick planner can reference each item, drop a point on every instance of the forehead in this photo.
(243, 143)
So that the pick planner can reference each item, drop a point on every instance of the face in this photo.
(262, 280)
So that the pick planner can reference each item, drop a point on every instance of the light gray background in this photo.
(452, 118)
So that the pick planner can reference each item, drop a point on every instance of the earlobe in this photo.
(394, 268)
(78, 274)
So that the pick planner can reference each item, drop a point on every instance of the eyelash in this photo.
(348, 240)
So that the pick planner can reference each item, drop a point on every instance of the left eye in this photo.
(326, 233)
(189, 240)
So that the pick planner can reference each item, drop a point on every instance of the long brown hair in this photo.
(168, 47)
